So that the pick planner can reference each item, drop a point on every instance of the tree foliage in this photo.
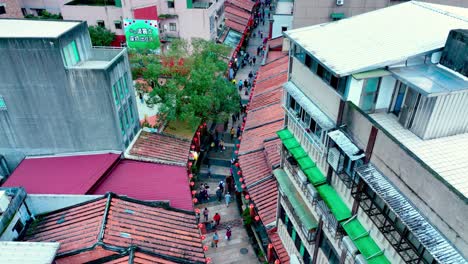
(101, 36)
(45, 15)
(189, 81)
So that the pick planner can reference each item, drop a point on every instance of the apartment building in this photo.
(10, 9)
(177, 19)
(311, 12)
(58, 94)
(373, 165)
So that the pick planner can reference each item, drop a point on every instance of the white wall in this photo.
(281, 21)
(91, 14)
(21, 215)
(385, 92)
(52, 6)
(43, 203)
(354, 90)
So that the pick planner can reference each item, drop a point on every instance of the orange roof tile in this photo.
(254, 167)
(279, 248)
(118, 224)
(162, 148)
(275, 43)
(247, 5)
(253, 139)
(235, 26)
(265, 197)
(272, 152)
(272, 96)
(268, 114)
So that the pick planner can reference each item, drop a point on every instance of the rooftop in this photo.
(431, 80)
(112, 225)
(27, 252)
(74, 174)
(365, 42)
(446, 156)
(32, 28)
(149, 182)
(284, 8)
(161, 148)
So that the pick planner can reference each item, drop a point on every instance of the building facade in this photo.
(374, 132)
(10, 9)
(312, 12)
(176, 18)
(59, 94)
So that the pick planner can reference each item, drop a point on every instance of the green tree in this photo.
(45, 15)
(101, 36)
(189, 81)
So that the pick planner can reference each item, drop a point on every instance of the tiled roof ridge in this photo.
(172, 136)
(276, 59)
(264, 124)
(251, 151)
(262, 180)
(280, 86)
(271, 76)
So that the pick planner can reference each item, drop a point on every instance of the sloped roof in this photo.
(373, 40)
(161, 148)
(119, 223)
(265, 197)
(27, 252)
(150, 182)
(246, 5)
(264, 115)
(253, 139)
(269, 97)
(272, 153)
(279, 248)
(254, 167)
(74, 174)
(235, 26)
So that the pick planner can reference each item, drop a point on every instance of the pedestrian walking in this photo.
(250, 75)
(205, 214)
(215, 240)
(258, 50)
(209, 171)
(140, 94)
(221, 186)
(197, 217)
(221, 145)
(254, 59)
(217, 218)
(261, 34)
(246, 83)
(240, 85)
(227, 198)
(228, 233)
(232, 133)
(238, 131)
(219, 194)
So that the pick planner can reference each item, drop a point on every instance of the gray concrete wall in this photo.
(52, 109)
(312, 12)
(44, 203)
(441, 206)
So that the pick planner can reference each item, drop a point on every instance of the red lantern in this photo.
(190, 175)
(203, 237)
(192, 147)
(236, 152)
(247, 197)
(201, 126)
(198, 132)
(257, 218)
(241, 179)
(197, 211)
(237, 145)
(251, 206)
(208, 260)
(270, 246)
(190, 164)
(240, 138)
(243, 186)
(200, 225)
(192, 183)
(237, 164)
(239, 173)
(194, 192)
(195, 200)
(205, 248)
(277, 261)
(204, 124)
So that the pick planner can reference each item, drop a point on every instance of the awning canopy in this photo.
(346, 145)
(334, 202)
(320, 117)
(337, 15)
(315, 176)
(298, 204)
(430, 238)
(371, 74)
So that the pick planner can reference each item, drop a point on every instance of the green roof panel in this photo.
(291, 143)
(298, 153)
(337, 15)
(305, 163)
(315, 176)
(284, 134)
(299, 206)
(334, 202)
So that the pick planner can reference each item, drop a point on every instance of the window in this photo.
(299, 53)
(308, 61)
(116, 96)
(23, 10)
(2, 9)
(119, 85)
(124, 82)
(2, 103)
(71, 55)
(369, 94)
(100, 23)
(170, 4)
(130, 112)
(172, 27)
(18, 227)
(292, 103)
(328, 251)
(126, 120)
(39, 11)
(117, 24)
(122, 128)
(399, 96)
(284, 29)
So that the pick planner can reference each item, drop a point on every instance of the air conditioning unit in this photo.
(360, 259)
(312, 191)
(302, 177)
(334, 159)
(165, 27)
(348, 245)
(339, 2)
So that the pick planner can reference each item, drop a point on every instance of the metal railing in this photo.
(309, 235)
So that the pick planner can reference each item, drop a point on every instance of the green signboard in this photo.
(142, 34)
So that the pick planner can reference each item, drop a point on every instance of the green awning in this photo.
(291, 143)
(305, 163)
(334, 202)
(364, 242)
(298, 152)
(315, 176)
(298, 204)
(284, 134)
(337, 15)
(371, 74)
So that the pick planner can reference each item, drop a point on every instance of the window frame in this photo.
(2, 8)
(3, 106)
(173, 27)
(119, 23)
(374, 94)
(170, 4)
(101, 23)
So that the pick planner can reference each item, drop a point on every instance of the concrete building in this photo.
(373, 165)
(178, 19)
(10, 9)
(311, 12)
(282, 17)
(59, 94)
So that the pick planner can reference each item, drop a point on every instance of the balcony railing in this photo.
(315, 142)
(309, 235)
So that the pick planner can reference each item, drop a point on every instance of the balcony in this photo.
(100, 58)
(200, 4)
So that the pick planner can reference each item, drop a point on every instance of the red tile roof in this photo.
(272, 152)
(150, 182)
(234, 12)
(235, 26)
(119, 224)
(273, 69)
(253, 139)
(161, 148)
(61, 175)
(254, 167)
(265, 115)
(265, 197)
(269, 97)
(275, 44)
(247, 5)
(274, 55)
(279, 248)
